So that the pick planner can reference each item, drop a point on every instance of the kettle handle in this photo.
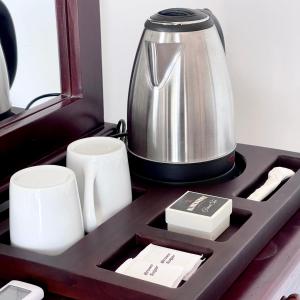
(217, 24)
(8, 42)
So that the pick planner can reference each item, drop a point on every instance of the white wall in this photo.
(263, 52)
(264, 60)
(38, 65)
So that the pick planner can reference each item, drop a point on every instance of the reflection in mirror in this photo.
(37, 70)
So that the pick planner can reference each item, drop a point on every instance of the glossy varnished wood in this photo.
(275, 272)
(86, 271)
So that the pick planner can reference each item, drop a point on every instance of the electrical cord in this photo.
(121, 130)
(119, 135)
(40, 97)
(121, 126)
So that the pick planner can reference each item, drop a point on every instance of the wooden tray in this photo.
(86, 271)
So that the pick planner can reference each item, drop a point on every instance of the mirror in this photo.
(37, 70)
(41, 134)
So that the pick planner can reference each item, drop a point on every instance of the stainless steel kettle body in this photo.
(8, 59)
(180, 106)
(5, 105)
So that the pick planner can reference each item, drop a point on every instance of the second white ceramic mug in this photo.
(102, 172)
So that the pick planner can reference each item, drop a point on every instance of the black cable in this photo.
(118, 135)
(121, 126)
(40, 97)
(121, 130)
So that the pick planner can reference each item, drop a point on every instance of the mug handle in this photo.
(90, 220)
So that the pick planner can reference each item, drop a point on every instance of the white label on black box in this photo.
(201, 204)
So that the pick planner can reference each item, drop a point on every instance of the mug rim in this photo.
(13, 179)
(74, 144)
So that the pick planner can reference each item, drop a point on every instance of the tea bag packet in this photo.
(169, 276)
(170, 257)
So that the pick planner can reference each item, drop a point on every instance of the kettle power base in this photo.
(86, 270)
(224, 177)
(182, 173)
(237, 168)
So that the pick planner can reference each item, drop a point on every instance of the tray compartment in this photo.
(237, 219)
(137, 192)
(139, 242)
(240, 165)
(4, 224)
(4, 232)
(292, 163)
(128, 250)
(4, 215)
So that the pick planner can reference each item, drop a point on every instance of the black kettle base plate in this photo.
(222, 169)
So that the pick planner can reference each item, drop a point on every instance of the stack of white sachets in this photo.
(162, 265)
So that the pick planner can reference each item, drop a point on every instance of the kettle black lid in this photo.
(179, 19)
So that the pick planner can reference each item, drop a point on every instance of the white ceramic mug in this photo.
(44, 208)
(102, 172)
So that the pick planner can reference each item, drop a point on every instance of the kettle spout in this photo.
(162, 58)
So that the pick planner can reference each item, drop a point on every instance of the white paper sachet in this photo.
(166, 256)
(166, 275)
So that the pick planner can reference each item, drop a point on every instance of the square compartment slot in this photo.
(137, 244)
(237, 219)
(4, 211)
(5, 237)
(4, 220)
(137, 192)
(282, 161)
(4, 228)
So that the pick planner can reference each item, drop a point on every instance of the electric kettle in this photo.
(8, 59)
(180, 103)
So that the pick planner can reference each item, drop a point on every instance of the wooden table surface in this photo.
(276, 270)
